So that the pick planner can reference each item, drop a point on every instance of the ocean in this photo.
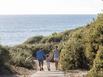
(15, 29)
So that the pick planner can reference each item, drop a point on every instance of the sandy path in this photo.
(46, 73)
(52, 73)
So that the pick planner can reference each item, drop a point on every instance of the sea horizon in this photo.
(15, 29)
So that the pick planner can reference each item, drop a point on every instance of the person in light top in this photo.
(56, 57)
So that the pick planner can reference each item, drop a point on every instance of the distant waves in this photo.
(16, 29)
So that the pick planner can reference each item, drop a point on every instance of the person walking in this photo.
(40, 55)
(56, 57)
(48, 61)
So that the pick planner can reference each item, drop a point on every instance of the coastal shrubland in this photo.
(80, 48)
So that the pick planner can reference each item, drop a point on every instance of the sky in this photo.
(12, 7)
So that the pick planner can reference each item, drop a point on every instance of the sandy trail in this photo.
(46, 73)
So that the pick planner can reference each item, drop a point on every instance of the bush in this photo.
(55, 37)
(4, 61)
(22, 57)
(34, 40)
(72, 55)
(97, 69)
(4, 56)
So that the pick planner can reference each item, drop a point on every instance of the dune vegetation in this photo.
(4, 61)
(80, 48)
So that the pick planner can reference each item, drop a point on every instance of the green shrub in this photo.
(72, 55)
(97, 69)
(55, 37)
(34, 40)
(4, 61)
(22, 57)
(4, 56)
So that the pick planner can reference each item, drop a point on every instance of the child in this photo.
(48, 61)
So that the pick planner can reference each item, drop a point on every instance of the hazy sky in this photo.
(50, 6)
